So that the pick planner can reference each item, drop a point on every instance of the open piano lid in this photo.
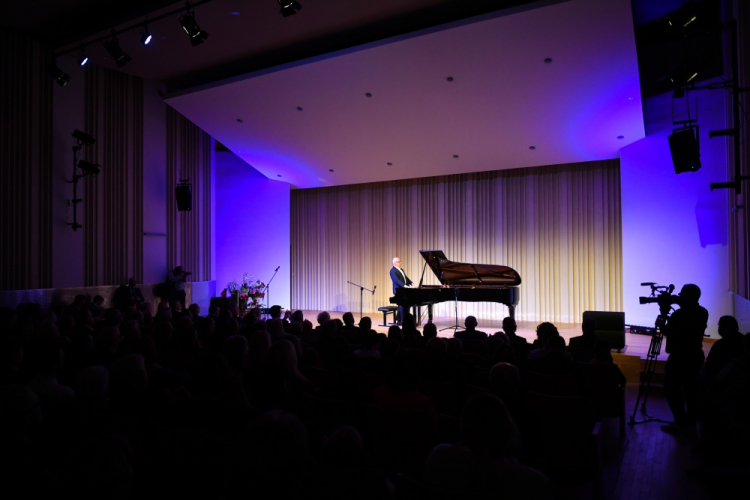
(460, 273)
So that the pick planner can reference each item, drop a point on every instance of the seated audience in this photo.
(471, 332)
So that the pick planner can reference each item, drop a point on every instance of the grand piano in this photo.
(463, 282)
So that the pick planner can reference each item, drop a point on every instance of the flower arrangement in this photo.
(249, 290)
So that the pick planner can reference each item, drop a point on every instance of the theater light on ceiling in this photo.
(61, 77)
(118, 55)
(196, 34)
(289, 7)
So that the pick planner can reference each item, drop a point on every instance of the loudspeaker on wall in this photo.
(184, 196)
(683, 146)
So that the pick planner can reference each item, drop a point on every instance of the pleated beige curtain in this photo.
(558, 226)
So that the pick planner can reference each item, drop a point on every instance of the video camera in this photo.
(661, 295)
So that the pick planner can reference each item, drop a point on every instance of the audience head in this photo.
(195, 309)
(546, 330)
(128, 374)
(436, 347)
(509, 325)
(92, 383)
(345, 448)
(365, 323)
(403, 373)
(275, 311)
(454, 346)
(728, 326)
(588, 326)
(297, 317)
(236, 351)
(429, 330)
(273, 454)
(394, 332)
(348, 319)
(505, 379)
(323, 316)
(487, 428)
(470, 322)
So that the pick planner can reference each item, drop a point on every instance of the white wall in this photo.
(675, 230)
(251, 227)
(154, 185)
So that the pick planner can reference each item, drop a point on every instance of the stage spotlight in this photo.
(289, 7)
(61, 77)
(196, 34)
(120, 57)
(146, 36)
(88, 168)
(83, 59)
(83, 137)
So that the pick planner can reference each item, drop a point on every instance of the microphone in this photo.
(277, 269)
(373, 289)
(647, 284)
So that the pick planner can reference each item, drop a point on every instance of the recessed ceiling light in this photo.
(390, 164)
(621, 137)
(235, 13)
(330, 170)
(455, 156)
(239, 120)
(450, 78)
(548, 60)
(368, 94)
(299, 108)
(532, 148)
(278, 175)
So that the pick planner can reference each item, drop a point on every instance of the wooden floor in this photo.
(647, 463)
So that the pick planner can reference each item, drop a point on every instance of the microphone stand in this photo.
(267, 287)
(455, 327)
(361, 289)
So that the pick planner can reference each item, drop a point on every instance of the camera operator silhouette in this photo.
(684, 331)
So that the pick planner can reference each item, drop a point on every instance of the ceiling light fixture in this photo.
(83, 59)
(113, 48)
(61, 77)
(289, 7)
(146, 36)
(196, 34)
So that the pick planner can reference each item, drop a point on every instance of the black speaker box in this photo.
(686, 156)
(184, 196)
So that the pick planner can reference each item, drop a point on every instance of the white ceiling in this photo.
(504, 99)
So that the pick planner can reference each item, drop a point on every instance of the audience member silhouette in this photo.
(485, 464)
(470, 332)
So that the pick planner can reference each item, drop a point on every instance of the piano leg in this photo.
(512, 311)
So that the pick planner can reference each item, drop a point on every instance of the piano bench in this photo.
(386, 310)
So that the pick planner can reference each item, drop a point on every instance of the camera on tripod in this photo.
(661, 295)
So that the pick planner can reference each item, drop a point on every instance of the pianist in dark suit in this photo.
(400, 280)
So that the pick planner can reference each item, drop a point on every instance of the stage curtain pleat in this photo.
(26, 211)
